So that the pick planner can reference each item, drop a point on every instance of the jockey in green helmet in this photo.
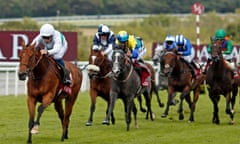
(226, 48)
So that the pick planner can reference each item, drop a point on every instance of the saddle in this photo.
(143, 71)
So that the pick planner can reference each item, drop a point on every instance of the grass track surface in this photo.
(14, 124)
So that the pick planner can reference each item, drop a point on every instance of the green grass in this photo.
(170, 130)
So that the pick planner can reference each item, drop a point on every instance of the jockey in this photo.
(185, 49)
(104, 40)
(226, 48)
(55, 45)
(169, 43)
(134, 48)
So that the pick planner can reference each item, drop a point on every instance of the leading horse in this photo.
(45, 85)
(180, 79)
(220, 81)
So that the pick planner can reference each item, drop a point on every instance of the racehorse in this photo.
(157, 58)
(220, 81)
(99, 69)
(126, 84)
(180, 79)
(45, 86)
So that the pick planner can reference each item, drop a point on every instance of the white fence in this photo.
(10, 85)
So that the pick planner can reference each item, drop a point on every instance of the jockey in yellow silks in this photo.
(134, 49)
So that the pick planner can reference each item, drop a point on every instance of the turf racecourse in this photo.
(14, 123)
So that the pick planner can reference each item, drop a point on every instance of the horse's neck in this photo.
(180, 66)
(43, 67)
(219, 66)
(106, 67)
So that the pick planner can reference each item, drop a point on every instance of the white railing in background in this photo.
(10, 85)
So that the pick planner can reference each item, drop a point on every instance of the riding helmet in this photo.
(122, 36)
(47, 30)
(220, 34)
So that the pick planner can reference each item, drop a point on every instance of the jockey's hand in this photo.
(43, 51)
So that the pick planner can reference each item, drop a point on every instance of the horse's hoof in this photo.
(231, 122)
(105, 122)
(161, 105)
(143, 110)
(35, 130)
(153, 117)
(181, 117)
(89, 124)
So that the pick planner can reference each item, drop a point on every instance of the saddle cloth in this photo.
(145, 73)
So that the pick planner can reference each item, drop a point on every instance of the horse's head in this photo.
(29, 56)
(216, 52)
(96, 63)
(119, 61)
(169, 61)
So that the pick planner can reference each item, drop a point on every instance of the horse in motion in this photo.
(99, 69)
(45, 86)
(126, 84)
(220, 81)
(180, 79)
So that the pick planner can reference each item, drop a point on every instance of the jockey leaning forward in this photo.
(226, 49)
(104, 40)
(134, 48)
(55, 45)
(185, 49)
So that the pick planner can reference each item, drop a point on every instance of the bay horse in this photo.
(45, 85)
(99, 69)
(220, 81)
(180, 79)
(126, 84)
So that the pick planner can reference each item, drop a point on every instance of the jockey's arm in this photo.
(95, 42)
(229, 48)
(188, 48)
(56, 47)
(111, 45)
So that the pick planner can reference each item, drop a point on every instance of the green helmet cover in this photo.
(220, 34)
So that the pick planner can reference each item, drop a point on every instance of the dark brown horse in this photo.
(99, 69)
(180, 79)
(220, 81)
(45, 86)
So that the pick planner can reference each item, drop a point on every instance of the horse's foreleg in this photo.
(93, 95)
(183, 96)
(31, 109)
(113, 98)
(112, 115)
(228, 108)
(215, 99)
(135, 115)
(128, 112)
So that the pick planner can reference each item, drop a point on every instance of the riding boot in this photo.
(66, 77)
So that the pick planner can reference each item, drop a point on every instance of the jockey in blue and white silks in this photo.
(185, 49)
(104, 40)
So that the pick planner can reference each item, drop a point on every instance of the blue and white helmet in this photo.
(103, 29)
(179, 40)
(170, 42)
